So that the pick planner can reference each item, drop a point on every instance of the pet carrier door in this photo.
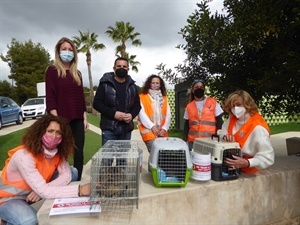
(170, 162)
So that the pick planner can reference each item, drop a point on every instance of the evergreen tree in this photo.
(27, 62)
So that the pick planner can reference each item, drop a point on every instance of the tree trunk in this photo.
(123, 51)
(89, 62)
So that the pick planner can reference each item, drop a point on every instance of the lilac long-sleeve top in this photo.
(64, 95)
(22, 166)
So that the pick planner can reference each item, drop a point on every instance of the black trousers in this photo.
(77, 127)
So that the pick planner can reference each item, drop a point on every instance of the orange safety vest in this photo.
(243, 133)
(202, 124)
(20, 189)
(146, 101)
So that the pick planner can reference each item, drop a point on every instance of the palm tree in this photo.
(121, 33)
(86, 42)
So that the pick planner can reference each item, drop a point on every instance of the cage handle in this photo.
(215, 136)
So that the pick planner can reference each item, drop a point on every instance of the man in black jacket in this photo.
(118, 101)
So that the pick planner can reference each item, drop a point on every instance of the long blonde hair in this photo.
(59, 64)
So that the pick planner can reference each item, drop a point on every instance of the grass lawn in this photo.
(9, 141)
(93, 140)
(286, 127)
(95, 120)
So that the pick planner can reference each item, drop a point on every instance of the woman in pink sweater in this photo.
(28, 172)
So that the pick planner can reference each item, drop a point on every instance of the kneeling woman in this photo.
(28, 172)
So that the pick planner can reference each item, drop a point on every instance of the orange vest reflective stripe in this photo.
(202, 124)
(147, 102)
(20, 189)
(243, 133)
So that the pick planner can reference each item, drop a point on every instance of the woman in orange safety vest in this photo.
(28, 172)
(155, 117)
(247, 127)
(203, 115)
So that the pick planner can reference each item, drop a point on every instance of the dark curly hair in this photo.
(32, 139)
(147, 85)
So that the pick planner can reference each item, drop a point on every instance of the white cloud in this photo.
(45, 22)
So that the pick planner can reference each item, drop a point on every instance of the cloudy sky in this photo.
(46, 21)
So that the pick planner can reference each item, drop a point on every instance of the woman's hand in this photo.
(85, 122)
(33, 197)
(84, 190)
(236, 162)
(228, 138)
(162, 133)
(86, 125)
(155, 130)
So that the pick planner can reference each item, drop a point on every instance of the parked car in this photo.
(33, 107)
(9, 111)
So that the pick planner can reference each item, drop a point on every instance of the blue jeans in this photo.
(74, 172)
(18, 212)
(119, 134)
(23, 213)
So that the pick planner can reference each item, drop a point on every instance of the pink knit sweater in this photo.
(22, 166)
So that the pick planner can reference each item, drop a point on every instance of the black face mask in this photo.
(199, 92)
(121, 72)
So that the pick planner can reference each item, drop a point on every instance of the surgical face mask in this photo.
(51, 142)
(66, 56)
(199, 92)
(238, 111)
(121, 72)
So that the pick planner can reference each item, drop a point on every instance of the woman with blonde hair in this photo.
(247, 127)
(65, 96)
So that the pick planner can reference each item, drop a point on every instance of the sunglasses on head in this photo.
(199, 80)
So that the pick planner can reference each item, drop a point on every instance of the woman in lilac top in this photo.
(65, 97)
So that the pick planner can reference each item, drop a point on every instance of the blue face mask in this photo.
(66, 56)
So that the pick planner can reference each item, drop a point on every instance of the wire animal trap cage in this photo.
(170, 162)
(115, 174)
(219, 150)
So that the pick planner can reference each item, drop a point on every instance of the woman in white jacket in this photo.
(247, 127)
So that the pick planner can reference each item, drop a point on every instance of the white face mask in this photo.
(238, 111)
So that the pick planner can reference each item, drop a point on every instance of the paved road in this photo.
(8, 128)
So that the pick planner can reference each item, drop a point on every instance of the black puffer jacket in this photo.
(106, 101)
